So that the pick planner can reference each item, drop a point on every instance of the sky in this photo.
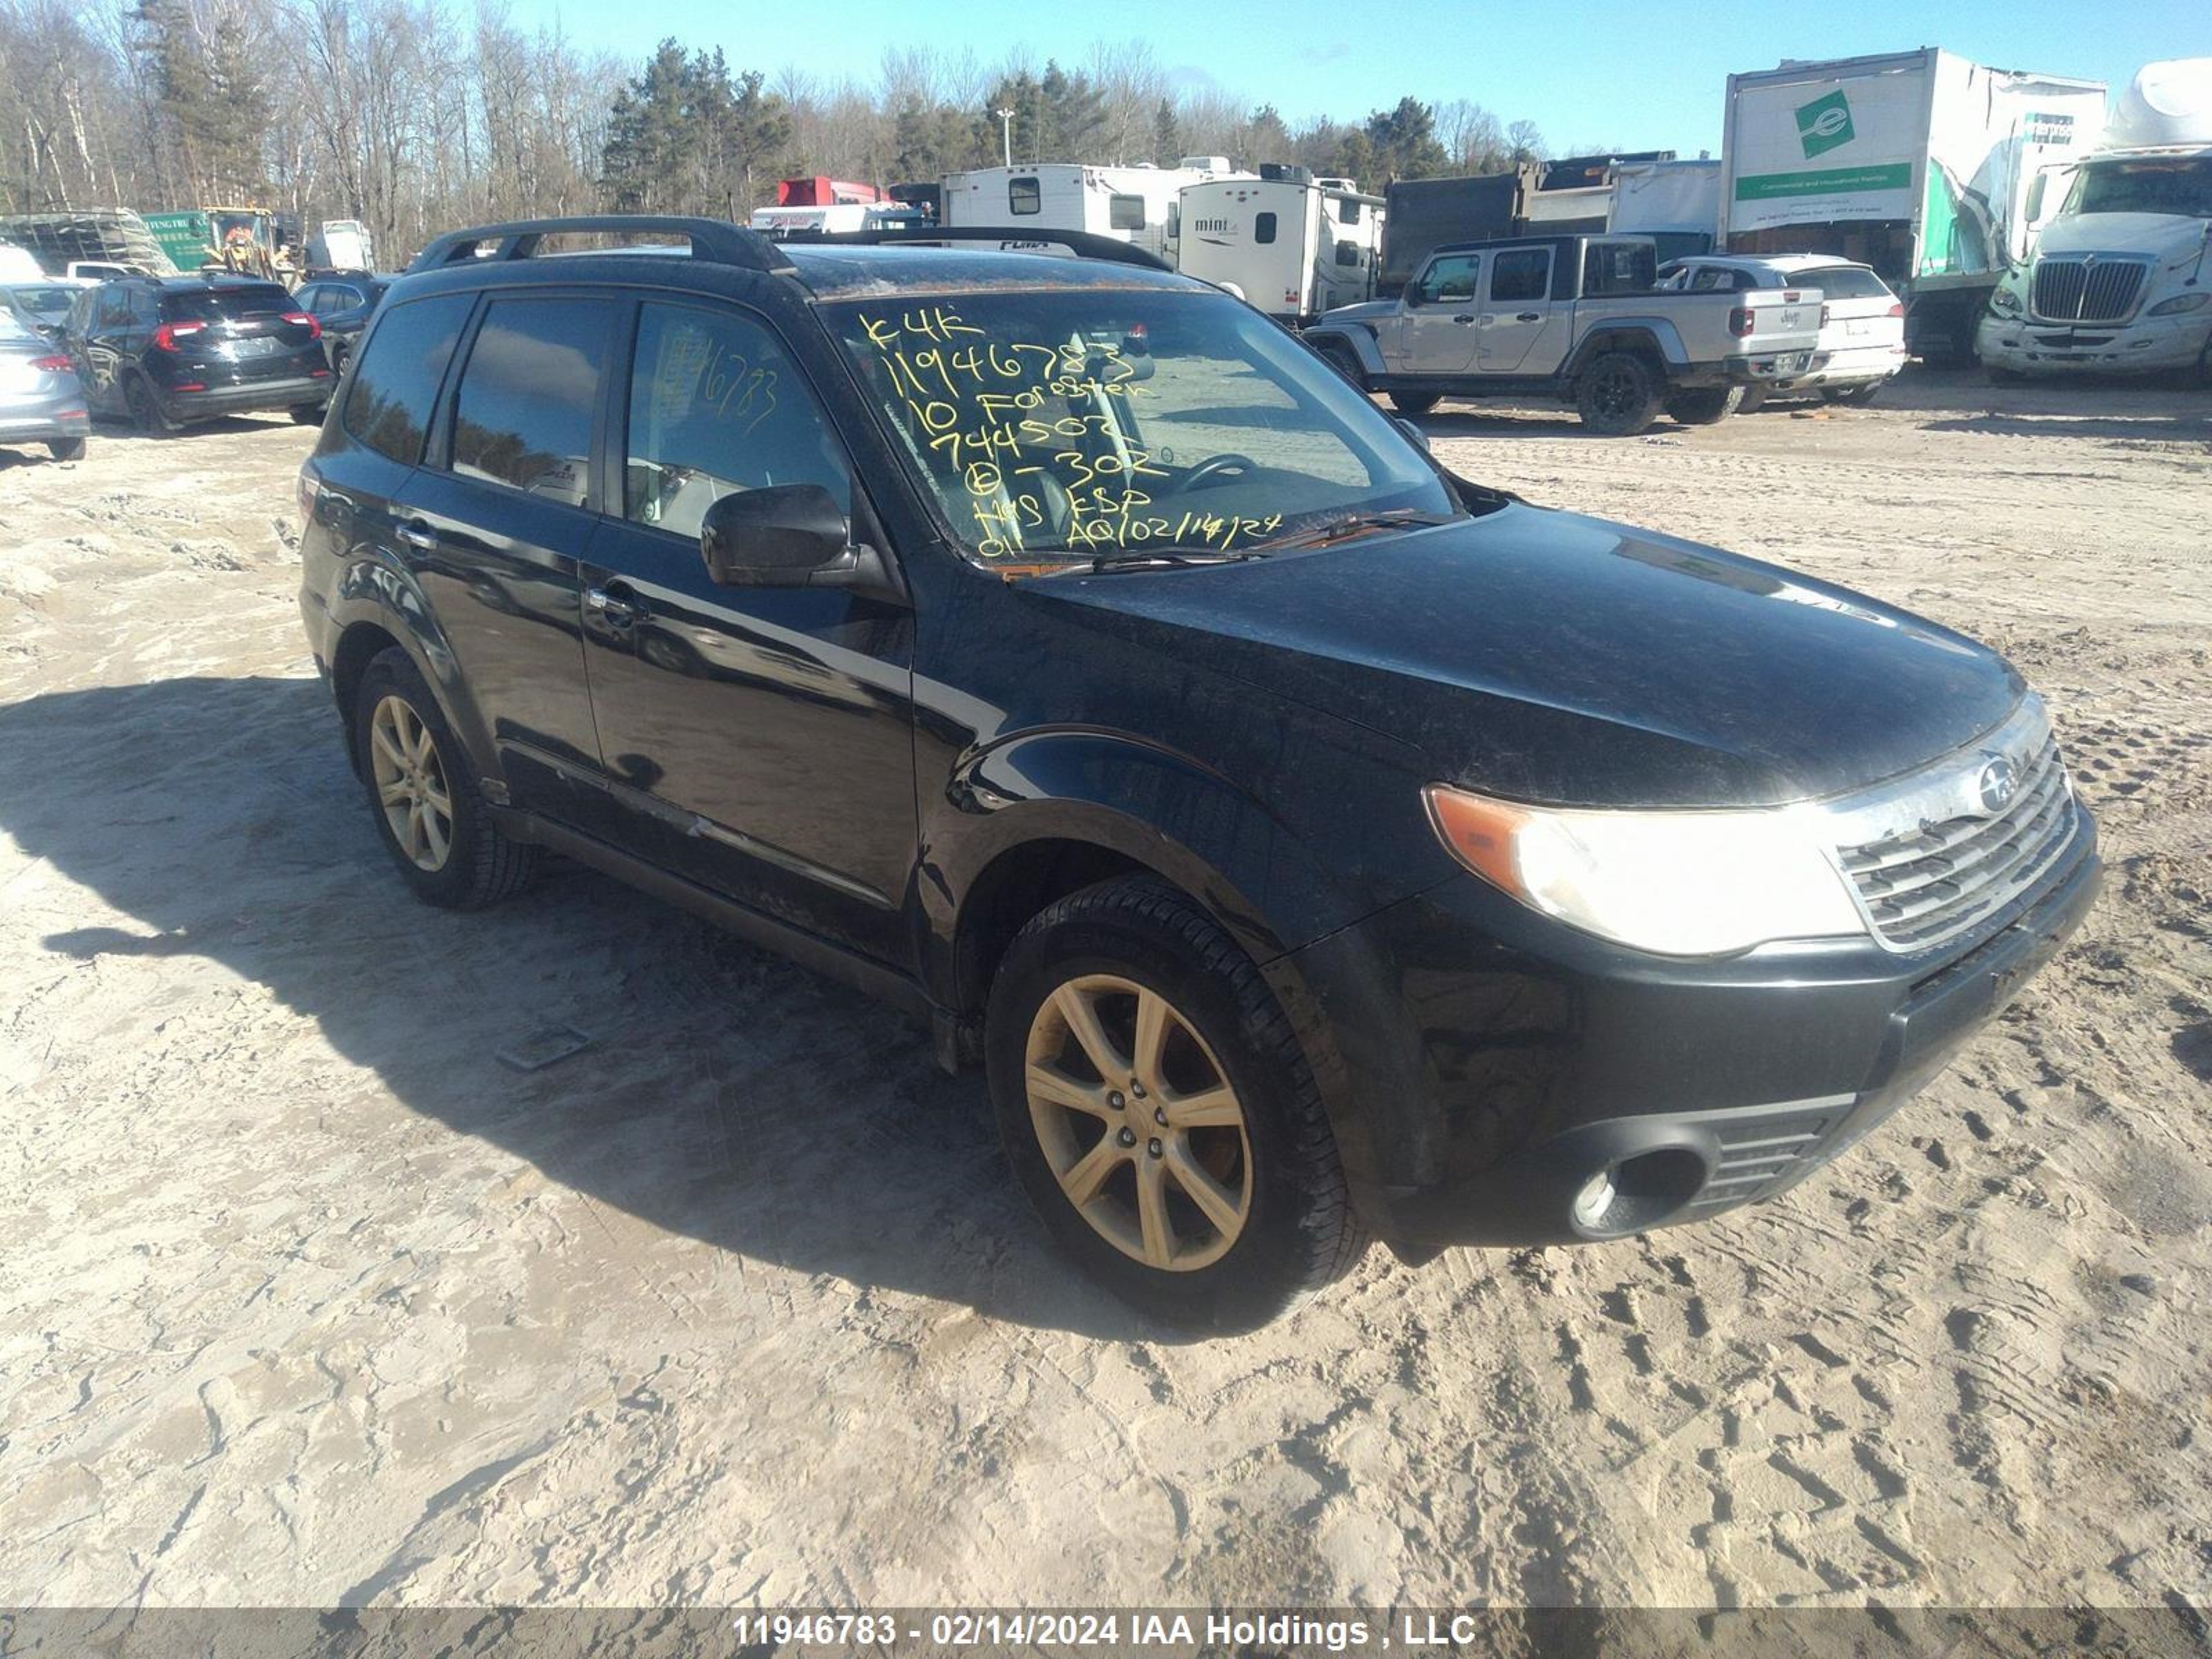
(1629, 74)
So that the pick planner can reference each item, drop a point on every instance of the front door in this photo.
(761, 737)
(1439, 326)
(1521, 333)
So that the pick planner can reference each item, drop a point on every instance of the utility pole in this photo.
(1006, 127)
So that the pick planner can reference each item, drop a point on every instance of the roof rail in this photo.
(1083, 244)
(716, 240)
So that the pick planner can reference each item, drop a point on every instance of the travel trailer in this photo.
(1919, 163)
(2122, 276)
(819, 203)
(1288, 243)
(1136, 204)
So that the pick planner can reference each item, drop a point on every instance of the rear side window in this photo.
(529, 390)
(115, 307)
(1263, 228)
(1125, 212)
(215, 304)
(1618, 268)
(1023, 197)
(395, 379)
(716, 407)
(1844, 282)
(1521, 273)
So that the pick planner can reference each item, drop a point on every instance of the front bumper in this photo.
(1483, 1066)
(2149, 344)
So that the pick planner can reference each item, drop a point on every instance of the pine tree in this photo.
(1167, 135)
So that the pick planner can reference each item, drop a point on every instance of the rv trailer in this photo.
(1289, 244)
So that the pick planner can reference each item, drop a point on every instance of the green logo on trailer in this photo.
(1824, 123)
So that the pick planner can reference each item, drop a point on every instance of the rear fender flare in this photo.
(375, 589)
(1657, 336)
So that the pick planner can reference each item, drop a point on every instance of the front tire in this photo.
(429, 813)
(1414, 404)
(1340, 357)
(1159, 1113)
(1704, 406)
(1618, 395)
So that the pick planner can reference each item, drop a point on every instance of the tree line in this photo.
(413, 116)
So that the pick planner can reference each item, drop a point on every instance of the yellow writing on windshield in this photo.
(1038, 441)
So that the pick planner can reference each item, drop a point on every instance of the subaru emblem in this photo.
(2000, 781)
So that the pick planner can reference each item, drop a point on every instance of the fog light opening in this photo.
(1637, 1193)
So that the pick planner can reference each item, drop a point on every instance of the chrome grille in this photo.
(2087, 291)
(1922, 885)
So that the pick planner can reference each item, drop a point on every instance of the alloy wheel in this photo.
(1138, 1122)
(411, 783)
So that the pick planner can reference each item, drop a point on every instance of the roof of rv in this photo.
(852, 272)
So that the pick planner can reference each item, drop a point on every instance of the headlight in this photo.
(2003, 298)
(2178, 304)
(1678, 883)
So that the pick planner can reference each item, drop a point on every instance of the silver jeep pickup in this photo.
(1577, 317)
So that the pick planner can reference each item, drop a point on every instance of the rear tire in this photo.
(1275, 1222)
(457, 859)
(1414, 404)
(303, 414)
(1856, 395)
(1619, 394)
(67, 449)
(1755, 399)
(1704, 406)
(145, 406)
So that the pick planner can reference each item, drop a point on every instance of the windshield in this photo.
(1067, 424)
(2177, 185)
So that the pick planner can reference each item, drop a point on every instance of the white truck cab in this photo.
(2121, 279)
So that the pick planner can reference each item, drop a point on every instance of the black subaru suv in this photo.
(167, 351)
(1308, 842)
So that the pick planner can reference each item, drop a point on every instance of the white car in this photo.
(1861, 321)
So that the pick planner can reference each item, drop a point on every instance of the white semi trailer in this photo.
(2122, 275)
(1919, 163)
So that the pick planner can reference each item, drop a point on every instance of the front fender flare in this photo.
(1359, 342)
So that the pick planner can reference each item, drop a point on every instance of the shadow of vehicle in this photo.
(725, 1095)
(1501, 421)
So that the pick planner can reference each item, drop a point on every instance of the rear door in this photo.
(1518, 331)
(1439, 327)
(495, 524)
(760, 738)
(105, 333)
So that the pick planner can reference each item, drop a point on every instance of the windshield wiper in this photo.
(1161, 558)
(1355, 523)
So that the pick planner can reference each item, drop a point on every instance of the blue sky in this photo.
(1637, 73)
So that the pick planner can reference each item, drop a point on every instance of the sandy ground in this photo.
(305, 1297)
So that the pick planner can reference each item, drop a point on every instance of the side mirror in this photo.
(784, 535)
(1419, 438)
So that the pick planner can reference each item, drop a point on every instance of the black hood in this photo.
(1548, 657)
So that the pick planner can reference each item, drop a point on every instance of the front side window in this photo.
(1054, 426)
(395, 380)
(1125, 212)
(715, 407)
(1521, 273)
(1023, 197)
(1449, 280)
(529, 389)
(1263, 229)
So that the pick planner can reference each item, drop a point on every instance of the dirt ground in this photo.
(305, 1297)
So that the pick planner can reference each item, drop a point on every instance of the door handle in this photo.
(1462, 318)
(615, 604)
(419, 535)
(1529, 317)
